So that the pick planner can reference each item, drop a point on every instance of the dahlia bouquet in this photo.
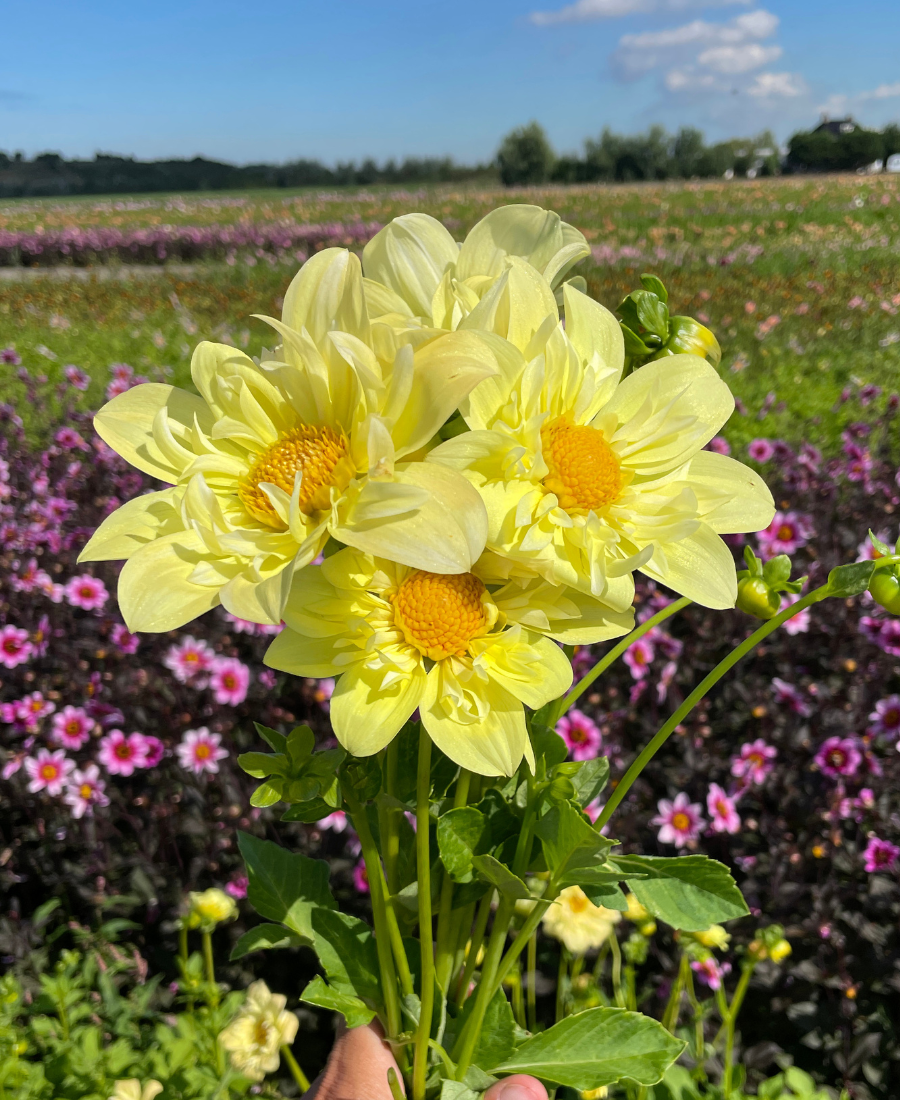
(442, 480)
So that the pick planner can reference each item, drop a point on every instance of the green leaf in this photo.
(499, 1035)
(501, 877)
(688, 892)
(263, 764)
(310, 812)
(266, 794)
(346, 948)
(549, 746)
(301, 742)
(608, 895)
(597, 1048)
(850, 580)
(319, 993)
(457, 1090)
(461, 834)
(570, 843)
(590, 779)
(655, 286)
(264, 937)
(777, 570)
(272, 738)
(285, 886)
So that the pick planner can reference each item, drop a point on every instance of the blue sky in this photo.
(344, 80)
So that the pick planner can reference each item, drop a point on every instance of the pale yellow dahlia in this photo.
(416, 273)
(577, 923)
(587, 476)
(255, 1036)
(130, 1088)
(466, 653)
(207, 908)
(272, 458)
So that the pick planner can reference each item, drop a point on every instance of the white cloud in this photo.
(586, 11)
(883, 91)
(840, 104)
(738, 59)
(777, 86)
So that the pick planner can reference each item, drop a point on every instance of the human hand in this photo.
(358, 1065)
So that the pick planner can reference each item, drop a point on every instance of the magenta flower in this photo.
(154, 751)
(48, 771)
(267, 678)
(10, 357)
(665, 679)
(32, 708)
(799, 623)
(124, 639)
(71, 727)
(245, 626)
(787, 532)
(238, 887)
(189, 658)
(638, 656)
(85, 791)
(76, 377)
(86, 592)
(880, 855)
(361, 877)
(720, 445)
(200, 751)
(680, 821)
(711, 971)
(15, 647)
(337, 822)
(120, 755)
(121, 372)
(790, 697)
(580, 734)
(229, 680)
(754, 762)
(760, 450)
(724, 818)
(838, 756)
(70, 440)
(885, 718)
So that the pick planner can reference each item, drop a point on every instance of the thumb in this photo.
(517, 1087)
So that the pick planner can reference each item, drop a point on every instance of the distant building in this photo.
(835, 126)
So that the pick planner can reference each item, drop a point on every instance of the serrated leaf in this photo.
(457, 1090)
(850, 580)
(609, 896)
(500, 876)
(285, 886)
(461, 834)
(354, 1011)
(346, 948)
(569, 841)
(549, 746)
(272, 738)
(688, 892)
(264, 937)
(590, 779)
(596, 1048)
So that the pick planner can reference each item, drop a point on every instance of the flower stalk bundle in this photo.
(442, 479)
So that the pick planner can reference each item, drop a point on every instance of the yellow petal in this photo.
(155, 593)
(327, 293)
(292, 652)
(731, 496)
(410, 256)
(700, 567)
(366, 717)
(258, 601)
(132, 526)
(536, 235)
(533, 681)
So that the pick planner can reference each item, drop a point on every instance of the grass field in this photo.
(798, 277)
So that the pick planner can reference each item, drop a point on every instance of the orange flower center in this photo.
(319, 455)
(584, 473)
(49, 771)
(85, 790)
(785, 533)
(440, 614)
(201, 751)
(681, 822)
(579, 903)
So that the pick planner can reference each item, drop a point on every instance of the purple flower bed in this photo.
(185, 243)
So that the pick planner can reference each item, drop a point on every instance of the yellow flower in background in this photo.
(416, 273)
(466, 654)
(587, 477)
(577, 923)
(780, 950)
(272, 458)
(210, 907)
(254, 1037)
(131, 1089)
(714, 936)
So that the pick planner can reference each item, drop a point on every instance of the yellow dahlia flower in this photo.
(417, 274)
(587, 477)
(577, 923)
(131, 1089)
(466, 654)
(207, 908)
(255, 1036)
(274, 457)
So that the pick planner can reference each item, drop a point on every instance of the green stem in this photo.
(294, 1066)
(699, 1037)
(518, 1001)
(616, 953)
(730, 1020)
(183, 957)
(531, 984)
(475, 944)
(423, 874)
(673, 1007)
(397, 1092)
(379, 915)
(391, 839)
(445, 949)
(630, 990)
(608, 658)
(561, 983)
(525, 933)
(210, 967)
(697, 694)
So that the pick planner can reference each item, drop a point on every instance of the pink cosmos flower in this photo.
(76, 377)
(120, 755)
(200, 751)
(70, 440)
(885, 718)
(12, 765)
(880, 855)
(71, 727)
(32, 708)
(85, 791)
(638, 656)
(267, 678)
(791, 697)
(10, 357)
(720, 445)
(838, 756)
(238, 887)
(680, 821)
(15, 648)
(760, 450)
(754, 762)
(787, 532)
(580, 734)
(711, 971)
(154, 751)
(86, 592)
(48, 771)
(229, 680)
(361, 878)
(124, 639)
(245, 626)
(337, 822)
(724, 818)
(189, 658)
(799, 623)
(121, 372)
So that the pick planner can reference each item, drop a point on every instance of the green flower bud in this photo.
(756, 598)
(885, 589)
(687, 336)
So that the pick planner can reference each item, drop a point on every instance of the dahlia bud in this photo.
(760, 585)
(687, 336)
(209, 908)
(651, 333)
(884, 587)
